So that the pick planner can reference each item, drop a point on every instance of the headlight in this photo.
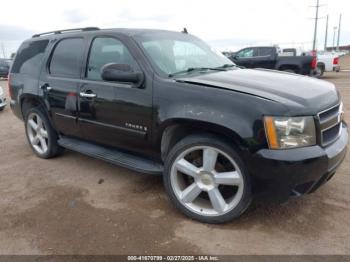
(290, 132)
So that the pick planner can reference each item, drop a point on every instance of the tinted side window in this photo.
(29, 57)
(265, 51)
(67, 57)
(106, 50)
(246, 53)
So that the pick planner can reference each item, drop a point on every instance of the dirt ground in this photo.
(74, 204)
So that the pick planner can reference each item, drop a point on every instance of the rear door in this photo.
(114, 113)
(59, 83)
(264, 57)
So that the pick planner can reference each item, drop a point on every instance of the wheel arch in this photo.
(29, 100)
(322, 65)
(174, 130)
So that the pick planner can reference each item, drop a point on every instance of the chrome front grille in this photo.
(330, 124)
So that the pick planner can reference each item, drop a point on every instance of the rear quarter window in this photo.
(29, 57)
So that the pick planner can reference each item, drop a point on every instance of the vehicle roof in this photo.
(263, 46)
(124, 31)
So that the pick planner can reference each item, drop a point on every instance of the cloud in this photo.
(14, 33)
(74, 16)
(226, 24)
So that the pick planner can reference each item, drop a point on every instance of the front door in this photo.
(59, 84)
(114, 113)
(245, 57)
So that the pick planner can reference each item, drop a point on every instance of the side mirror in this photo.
(122, 73)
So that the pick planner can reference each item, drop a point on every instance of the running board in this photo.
(112, 156)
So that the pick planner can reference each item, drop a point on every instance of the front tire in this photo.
(41, 136)
(206, 179)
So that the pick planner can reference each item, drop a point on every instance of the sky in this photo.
(225, 24)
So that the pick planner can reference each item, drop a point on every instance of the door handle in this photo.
(88, 95)
(46, 87)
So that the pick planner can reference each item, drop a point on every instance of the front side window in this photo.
(174, 52)
(67, 58)
(105, 50)
(246, 53)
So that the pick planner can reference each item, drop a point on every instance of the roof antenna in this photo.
(185, 31)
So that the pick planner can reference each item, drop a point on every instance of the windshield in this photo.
(172, 53)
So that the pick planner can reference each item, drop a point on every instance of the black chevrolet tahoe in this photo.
(165, 103)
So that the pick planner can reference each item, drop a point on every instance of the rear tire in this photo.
(41, 136)
(320, 70)
(206, 179)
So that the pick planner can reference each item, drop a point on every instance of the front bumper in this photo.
(280, 174)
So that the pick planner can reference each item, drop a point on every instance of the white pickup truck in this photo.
(327, 62)
(2, 99)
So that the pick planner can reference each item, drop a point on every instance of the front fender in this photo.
(238, 112)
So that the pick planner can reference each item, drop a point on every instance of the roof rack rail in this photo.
(66, 31)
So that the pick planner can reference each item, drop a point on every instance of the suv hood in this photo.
(294, 91)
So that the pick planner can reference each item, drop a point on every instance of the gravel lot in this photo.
(78, 205)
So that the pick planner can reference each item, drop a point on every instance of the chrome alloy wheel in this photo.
(207, 181)
(37, 133)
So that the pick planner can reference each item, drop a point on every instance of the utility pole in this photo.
(335, 30)
(325, 39)
(316, 20)
(339, 32)
(3, 50)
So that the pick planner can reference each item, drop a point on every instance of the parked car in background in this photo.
(327, 62)
(4, 67)
(228, 53)
(342, 52)
(165, 103)
(272, 58)
(289, 52)
(2, 99)
(293, 52)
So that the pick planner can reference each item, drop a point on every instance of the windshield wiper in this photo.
(193, 69)
(227, 66)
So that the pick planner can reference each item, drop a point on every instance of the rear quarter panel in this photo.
(327, 60)
(302, 62)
